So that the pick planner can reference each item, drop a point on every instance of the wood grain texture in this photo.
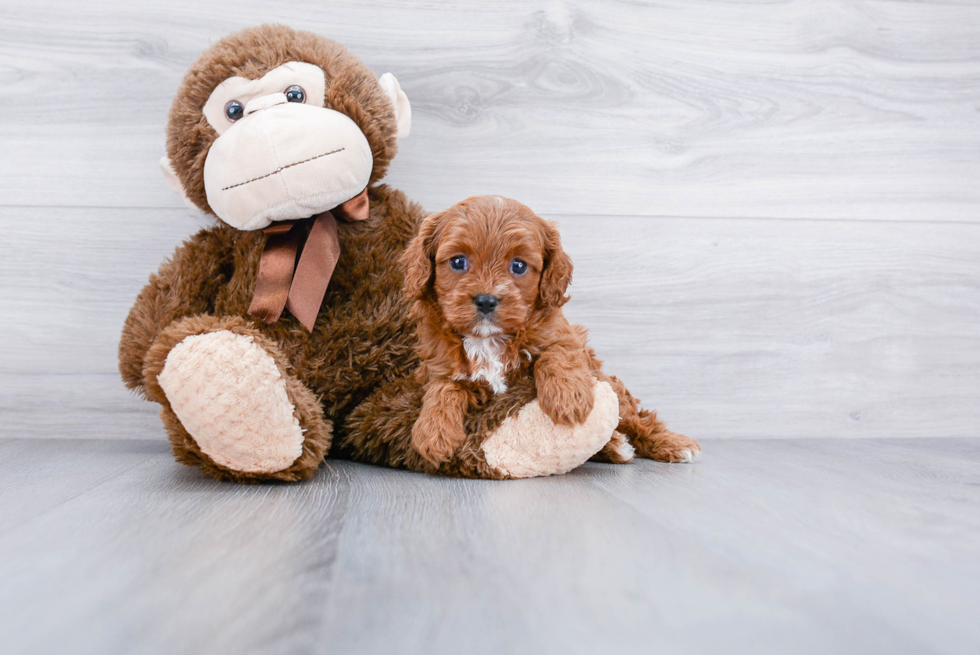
(807, 108)
(626, 121)
(805, 546)
(730, 327)
(740, 328)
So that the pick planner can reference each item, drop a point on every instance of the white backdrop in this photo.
(773, 208)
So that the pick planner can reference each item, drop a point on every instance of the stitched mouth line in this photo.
(282, 168)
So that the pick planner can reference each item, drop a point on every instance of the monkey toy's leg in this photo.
(648, 435)
(231, 404)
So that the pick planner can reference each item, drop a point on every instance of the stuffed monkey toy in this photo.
(274, 337)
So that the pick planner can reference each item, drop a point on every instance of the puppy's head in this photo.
(487, 264)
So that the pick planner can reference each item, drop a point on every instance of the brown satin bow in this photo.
(300, 286)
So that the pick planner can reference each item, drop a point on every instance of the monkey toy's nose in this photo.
(264, 102)
(486, 304)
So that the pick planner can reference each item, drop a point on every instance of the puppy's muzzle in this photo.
(486, 304)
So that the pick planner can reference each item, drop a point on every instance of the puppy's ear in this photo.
(418, 260)
(557, 272)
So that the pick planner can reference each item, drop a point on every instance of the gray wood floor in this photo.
(778, 546)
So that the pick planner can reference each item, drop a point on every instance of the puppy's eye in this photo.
(234, 110)
(518, 267)
(295, 93)
(459, 263)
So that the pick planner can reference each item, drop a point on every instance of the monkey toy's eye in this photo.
(518, 267)
(295, 93)
(234, 110)
(458, 263)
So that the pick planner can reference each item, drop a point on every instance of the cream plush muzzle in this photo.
(283, 161)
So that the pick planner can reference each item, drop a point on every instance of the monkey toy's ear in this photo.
(403, 109)
(170, 177)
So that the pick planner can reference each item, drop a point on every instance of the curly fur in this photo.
(526, 334)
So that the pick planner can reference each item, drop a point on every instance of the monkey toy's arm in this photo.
(186, 285)
(508, 437)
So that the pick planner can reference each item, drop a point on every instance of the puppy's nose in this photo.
(486, 304)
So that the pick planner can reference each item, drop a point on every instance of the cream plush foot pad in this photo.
(229, 395)
(529, 444)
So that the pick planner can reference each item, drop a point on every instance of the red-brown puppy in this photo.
(488, 279)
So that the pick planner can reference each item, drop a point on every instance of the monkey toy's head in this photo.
(274, 124)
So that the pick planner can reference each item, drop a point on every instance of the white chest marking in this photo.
(486, 358)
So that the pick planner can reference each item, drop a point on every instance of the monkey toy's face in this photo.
(281, 154)
(280, 141)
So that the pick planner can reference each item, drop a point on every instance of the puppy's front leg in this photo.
(565, 382)
(439, 431)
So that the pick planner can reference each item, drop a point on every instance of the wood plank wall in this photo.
(773, 207)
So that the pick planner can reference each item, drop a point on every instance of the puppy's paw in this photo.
(568, 400)
(617, 451)
(670, 447)
(436, 441)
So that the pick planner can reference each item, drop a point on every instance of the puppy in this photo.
(488, 278)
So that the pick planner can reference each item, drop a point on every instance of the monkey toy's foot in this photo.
(233, 408)
(530, 444)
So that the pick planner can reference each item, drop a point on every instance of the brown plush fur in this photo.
(362, 345)
(362, 337)
(484, 237)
